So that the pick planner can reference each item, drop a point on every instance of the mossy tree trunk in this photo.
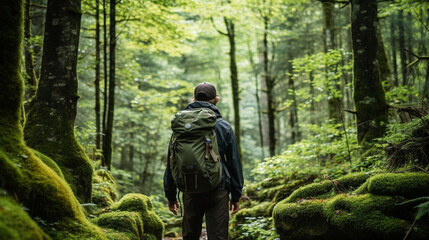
(50, 125)
(383, 62)
(108, 131)
(23, 175)
(369, 98)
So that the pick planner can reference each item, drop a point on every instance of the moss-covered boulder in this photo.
(373, 211)
(141, 204)
(129, 224)
(104, 191)
(16, 224)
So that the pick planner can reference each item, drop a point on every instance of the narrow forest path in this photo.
(203, 236)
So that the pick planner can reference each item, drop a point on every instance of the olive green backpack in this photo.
(194, 155)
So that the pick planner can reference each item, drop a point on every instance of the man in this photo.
(212, 204)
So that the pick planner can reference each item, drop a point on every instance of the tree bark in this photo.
(369, 98)
(383, 62)
(97, 76)
(107, 151)
(50, 124)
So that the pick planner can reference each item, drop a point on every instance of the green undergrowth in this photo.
(104, 191)
(132, 217)
(367, 206)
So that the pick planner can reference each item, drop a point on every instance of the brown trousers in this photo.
(214, 205)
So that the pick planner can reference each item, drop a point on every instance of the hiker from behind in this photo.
(203, 163)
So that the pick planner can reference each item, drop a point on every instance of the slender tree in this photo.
(108, 133)
(31, 77)
(50, 124)
(106, 83)
(329, 43)
(269, 83)
(97, 76)
(230, 33)
(370, 103)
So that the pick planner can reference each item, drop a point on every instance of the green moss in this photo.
(54, 136)
(104, 190)
(51, 163)
(314, 190)
(140, 203)
(376, 214)
(300, 221)
(44, 193)
(124, 222)
(367, 214)
(410, 185)
(16, 224)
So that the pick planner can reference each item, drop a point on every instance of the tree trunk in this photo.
(293, 110)
(370, 102)
(269, 82)
(97, 76)
(107, 151)
(383, 62)
(403, 57)
(334, 102)
(29, 60)
(258, 103)
(50, 124)
(23, 175)
(393, 48)
(234, 83)
(106, 83)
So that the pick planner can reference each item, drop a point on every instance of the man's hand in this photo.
(234, 207)
(173, 206)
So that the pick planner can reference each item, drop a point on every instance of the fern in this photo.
(422, 208)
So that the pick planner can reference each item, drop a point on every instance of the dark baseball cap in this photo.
(204, 91)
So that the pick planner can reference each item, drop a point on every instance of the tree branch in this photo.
(219, 31)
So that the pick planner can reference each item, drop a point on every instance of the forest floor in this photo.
(203, 236)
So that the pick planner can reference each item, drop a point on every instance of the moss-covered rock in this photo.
(409, 185)
(373, 211)
(124, 222)
(16, 224)
(152, 224)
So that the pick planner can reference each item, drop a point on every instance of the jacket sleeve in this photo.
(233, 164)
(169, 185)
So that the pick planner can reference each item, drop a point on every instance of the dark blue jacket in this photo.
(232, 175)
